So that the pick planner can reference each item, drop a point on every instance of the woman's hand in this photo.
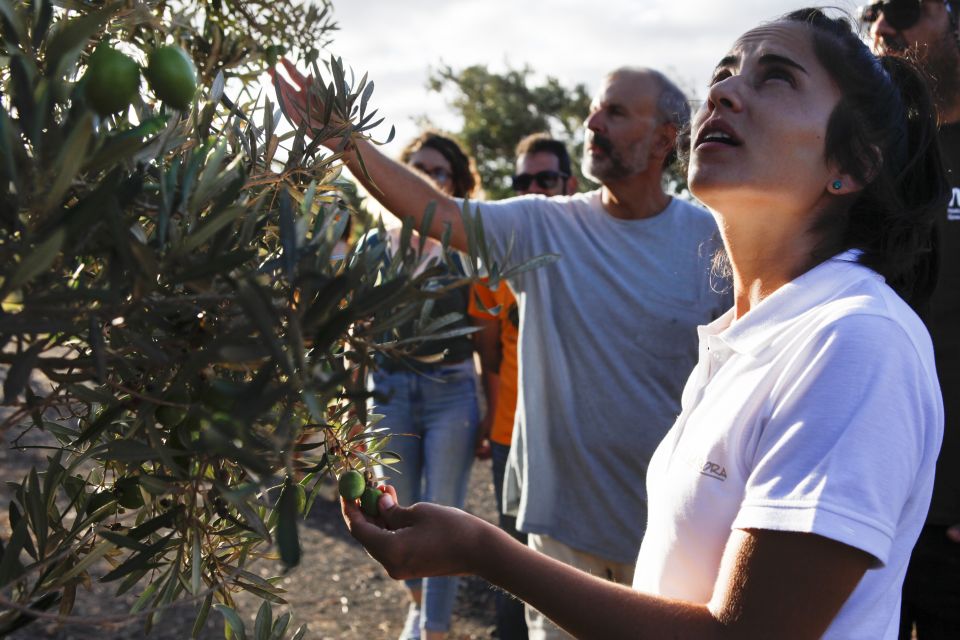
(301, 104)
(481, 448)
(421, 541)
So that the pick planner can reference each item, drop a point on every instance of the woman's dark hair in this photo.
(883, 133)
(466, 181)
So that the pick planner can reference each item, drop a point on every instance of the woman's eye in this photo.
(722, 74)
(775, 73)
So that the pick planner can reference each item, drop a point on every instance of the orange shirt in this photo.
(501, 431)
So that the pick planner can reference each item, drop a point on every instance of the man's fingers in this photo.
(294, 73)
(291, 100)
(283, 90)
(293, 104)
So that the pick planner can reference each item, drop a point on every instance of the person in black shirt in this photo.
(428, 398)
(931, 594)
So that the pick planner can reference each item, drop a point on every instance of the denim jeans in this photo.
(511, 623)
(432, 417)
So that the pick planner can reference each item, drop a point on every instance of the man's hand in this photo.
(399, 189)
(416, 542)
(301, 103)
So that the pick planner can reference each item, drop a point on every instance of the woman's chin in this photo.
(711, 190)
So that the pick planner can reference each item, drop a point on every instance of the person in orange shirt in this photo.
(543, 167)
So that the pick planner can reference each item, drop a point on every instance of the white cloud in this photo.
(575, 41)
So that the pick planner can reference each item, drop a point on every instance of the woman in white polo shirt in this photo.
(786, 499)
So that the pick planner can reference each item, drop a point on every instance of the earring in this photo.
(837, 185)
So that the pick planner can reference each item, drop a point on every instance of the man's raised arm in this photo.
(397, 187)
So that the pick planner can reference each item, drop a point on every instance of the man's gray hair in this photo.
(672, 104)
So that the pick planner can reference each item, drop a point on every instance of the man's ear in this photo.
(665, 140)
(571, 187)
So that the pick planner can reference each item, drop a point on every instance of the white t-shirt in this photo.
(817, 411)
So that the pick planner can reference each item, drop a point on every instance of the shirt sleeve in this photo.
(486, 298)
(848, 428)
(510, 226)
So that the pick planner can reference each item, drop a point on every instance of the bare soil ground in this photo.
(338, 591)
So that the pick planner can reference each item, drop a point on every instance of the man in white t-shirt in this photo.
(607, 333)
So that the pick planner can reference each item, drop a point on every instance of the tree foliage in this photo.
(171, 278)
(499, 109)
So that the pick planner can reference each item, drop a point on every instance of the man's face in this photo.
(542, 171)
(933, 42)
(621, 128)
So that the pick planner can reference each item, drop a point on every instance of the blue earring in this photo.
(837, 185)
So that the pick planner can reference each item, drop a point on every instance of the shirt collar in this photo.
(759, 326)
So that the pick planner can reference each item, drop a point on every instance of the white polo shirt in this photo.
(817, 411)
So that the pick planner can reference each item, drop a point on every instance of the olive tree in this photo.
(175, 320)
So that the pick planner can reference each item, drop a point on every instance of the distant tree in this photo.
(498, 109)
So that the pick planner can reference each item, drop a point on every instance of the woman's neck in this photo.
(764, 257)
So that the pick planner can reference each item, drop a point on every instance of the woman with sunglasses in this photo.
(786, 498)
(429, 399)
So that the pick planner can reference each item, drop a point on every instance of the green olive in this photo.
(111, 81)
(220, 394)
(172, 76)
(128, 493)
(351, 484)
(100, 500)
(370, 501)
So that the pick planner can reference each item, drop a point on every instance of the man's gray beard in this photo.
(943, 66)
(607, 171)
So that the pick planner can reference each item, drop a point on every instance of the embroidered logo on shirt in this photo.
(714, 470)
(953, 209)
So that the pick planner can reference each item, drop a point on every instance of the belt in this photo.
(418, 363)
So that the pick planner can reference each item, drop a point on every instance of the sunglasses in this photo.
(438, 174)
(899, 14)
(544, 179)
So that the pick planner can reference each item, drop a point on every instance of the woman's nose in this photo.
(725, 93)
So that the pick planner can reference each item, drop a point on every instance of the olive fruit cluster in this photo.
(112, 79)
(353, 486)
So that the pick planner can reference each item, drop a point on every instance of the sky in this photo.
(398, 41)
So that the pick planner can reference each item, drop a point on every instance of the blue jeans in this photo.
(511, 623)
(432, 417)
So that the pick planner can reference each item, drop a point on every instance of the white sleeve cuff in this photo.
(830, 521)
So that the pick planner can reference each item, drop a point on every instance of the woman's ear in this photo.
(843, 183)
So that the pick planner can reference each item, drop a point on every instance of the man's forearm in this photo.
(404, 193)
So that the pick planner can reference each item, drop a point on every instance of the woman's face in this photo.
(757, 142)
(434, 166)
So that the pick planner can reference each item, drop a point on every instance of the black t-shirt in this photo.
(943, 321)
(442, 351)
